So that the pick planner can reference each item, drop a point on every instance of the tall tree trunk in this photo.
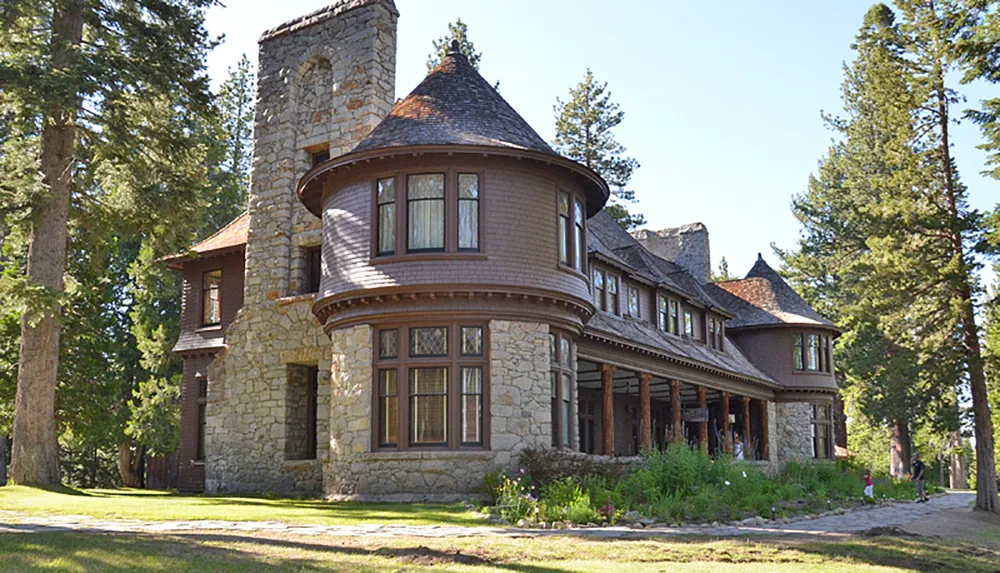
(130, 465)
(35, 458)
(959, 478)
(986, 478)
(3, 460)
(899, 449)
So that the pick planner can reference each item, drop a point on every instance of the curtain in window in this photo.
(472, 405)
(468, 212)
(386, 216)
(425, 200)
(388, 407)
(581, 240)
(428, 405)
(211, 306)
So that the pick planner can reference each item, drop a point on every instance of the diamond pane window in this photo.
(429, 341)
(388, 343)
(472, 341)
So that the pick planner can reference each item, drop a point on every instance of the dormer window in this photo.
(674, 318)
(633, 302)
(688, 323)
(211, 305)
(599, 289)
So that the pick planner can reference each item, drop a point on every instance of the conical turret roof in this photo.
(454, 105)
(763, 298)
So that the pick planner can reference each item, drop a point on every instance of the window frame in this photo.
(599, 286)
(401, 249)
(458, 206)
(403, 362)
(313, 275)
(801, 351)
(825, 421)
(377, 217)
(634, 303)
(201, 409)
(564, 408)
(443, 199)
(217, 288)
(573, 230)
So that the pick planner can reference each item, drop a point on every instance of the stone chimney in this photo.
(686, 246)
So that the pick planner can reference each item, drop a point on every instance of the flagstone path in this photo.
(897, 514)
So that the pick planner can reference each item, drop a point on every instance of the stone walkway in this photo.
(895, 514)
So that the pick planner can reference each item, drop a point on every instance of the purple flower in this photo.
(522, 471)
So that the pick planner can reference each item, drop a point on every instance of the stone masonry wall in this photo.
(520, 411)
(794, 435)
(687, 246)
(325, 80)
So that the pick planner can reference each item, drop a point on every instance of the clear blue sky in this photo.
(722, 101)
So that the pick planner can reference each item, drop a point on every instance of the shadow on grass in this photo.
(231, 553)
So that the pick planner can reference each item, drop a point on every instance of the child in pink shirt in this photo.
(868, 484)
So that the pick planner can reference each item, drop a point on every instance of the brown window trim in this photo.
(453, 361)
(201, 406)
(827, 422)
(559, 369)
(204, 297)
(450, 250)
(571, 235)
(824, 353)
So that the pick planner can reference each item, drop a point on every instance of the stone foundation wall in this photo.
(793, 437)
(520, 412)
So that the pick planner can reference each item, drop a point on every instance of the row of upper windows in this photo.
(673, 317)
(426, 217)
(811, 352)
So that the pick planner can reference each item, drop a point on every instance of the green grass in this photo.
(26, 552)
(163, 506)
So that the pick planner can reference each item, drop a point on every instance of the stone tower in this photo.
(687, 246)
(325, 80)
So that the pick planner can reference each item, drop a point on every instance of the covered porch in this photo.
(625, 406)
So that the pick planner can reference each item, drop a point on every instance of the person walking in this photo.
(869, 489)
(918, 478)
(738, 448)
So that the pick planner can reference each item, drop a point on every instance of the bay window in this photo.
(811, 352)
(822, 432)
(430, 385)
(468, 212)
(572, 231)
(386, 202)
(561, 384)
(425, 212)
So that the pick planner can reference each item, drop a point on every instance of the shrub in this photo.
(545, 466)
(514, 501)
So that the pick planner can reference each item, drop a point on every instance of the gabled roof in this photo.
(763, 298)
(232, 236)
(454, 105)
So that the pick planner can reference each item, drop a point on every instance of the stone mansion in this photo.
(420, 290)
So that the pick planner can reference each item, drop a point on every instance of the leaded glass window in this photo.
(429, 341)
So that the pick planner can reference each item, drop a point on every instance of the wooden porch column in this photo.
(645, 414)
(702, 426)
(727, 443)
(675, 412)
(746, 428)
(608, 410)
(765, 452)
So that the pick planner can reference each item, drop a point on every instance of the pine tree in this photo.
(584, 125)
(723, 273)
(111, 134)
(933, 31)
(457, 32)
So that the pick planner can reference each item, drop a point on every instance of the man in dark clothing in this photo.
(918, 478)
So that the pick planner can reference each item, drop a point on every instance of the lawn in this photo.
(163, 506)
(224, 553)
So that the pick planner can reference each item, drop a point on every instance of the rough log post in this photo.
(608, 410)
(727, 443)
(645, 414)
(702, 426)
(765, 450)
(675, 412)
(746, 429)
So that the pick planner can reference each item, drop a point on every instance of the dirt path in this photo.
(899, 514)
